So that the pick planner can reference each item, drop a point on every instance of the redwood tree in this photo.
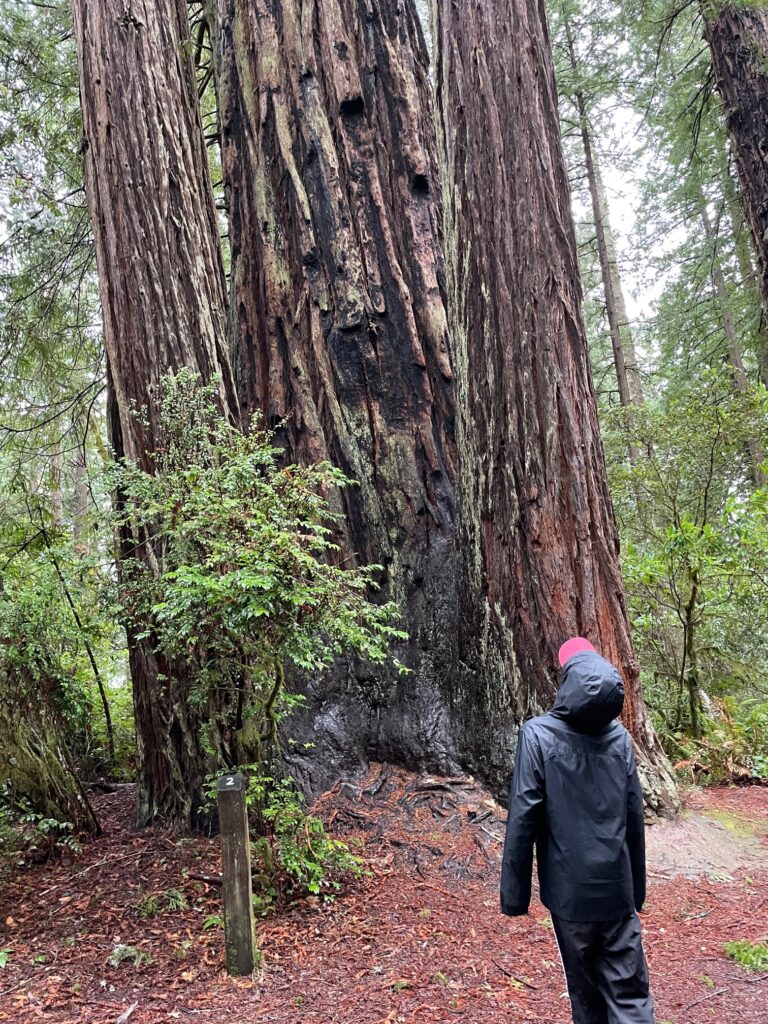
(163, 298)
(538, 537)
(340, 336)
(737, 34)
(339, 326)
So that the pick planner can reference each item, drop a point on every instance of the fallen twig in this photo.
(445, 892)
(709, 995)
(214, 880)
(100, 863)
(126, 1014)
(509, 974)
(498, 839)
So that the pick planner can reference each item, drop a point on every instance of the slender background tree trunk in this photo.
(340, 329)
(624, 357)
(163, 299)
(537, 533)
(737, 34)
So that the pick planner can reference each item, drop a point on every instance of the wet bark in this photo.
(537, 532)
(737, 34)
(339, 328)
(163, 300)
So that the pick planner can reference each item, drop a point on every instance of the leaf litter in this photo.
(419, 940)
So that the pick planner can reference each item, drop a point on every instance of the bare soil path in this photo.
(420, 941)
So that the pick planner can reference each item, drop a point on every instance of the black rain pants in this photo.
(605, 970)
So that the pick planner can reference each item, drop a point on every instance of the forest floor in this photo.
(418, 941)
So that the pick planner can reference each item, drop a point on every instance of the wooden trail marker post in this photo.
(241, 952)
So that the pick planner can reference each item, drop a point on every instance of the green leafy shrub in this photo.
(26, 836)
(752, 955)
(733, 747)
(295, 856)
(148, 905)
(292, 854)
(123, 953)
(56, 628)
(239, 575)
(153, 903)
(694, 530)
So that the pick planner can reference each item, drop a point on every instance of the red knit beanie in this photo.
(573, 646)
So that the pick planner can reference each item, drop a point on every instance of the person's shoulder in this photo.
(537, 731)
(621, 737)
(532, 726)
(622, 733)
(617, 729)
(529, 732)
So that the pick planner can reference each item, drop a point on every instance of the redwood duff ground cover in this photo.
(418, 941)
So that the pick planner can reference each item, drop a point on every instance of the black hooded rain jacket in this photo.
(575, 794)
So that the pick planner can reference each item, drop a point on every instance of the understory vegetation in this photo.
(686, 443)
(227, 564)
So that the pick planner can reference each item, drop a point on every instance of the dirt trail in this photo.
(420, 941)
(714, 837)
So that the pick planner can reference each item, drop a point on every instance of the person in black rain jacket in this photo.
(575, 795)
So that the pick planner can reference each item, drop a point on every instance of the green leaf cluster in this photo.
(752, 955)
(235, 574)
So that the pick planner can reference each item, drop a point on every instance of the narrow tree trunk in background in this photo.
(737, 34)
(624, 357)
(340, 328)
(80, 502)
(537, 530)
(57, 497)
(162, 293)
(84, 639)
(691, 662)
(755, 453)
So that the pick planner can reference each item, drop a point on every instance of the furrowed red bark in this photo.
(737, 34)
(163, 299)
(537, 530)
(340, 330)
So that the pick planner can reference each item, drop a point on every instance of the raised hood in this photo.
(591, 693)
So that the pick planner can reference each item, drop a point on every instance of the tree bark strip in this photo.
(163, 298)
(537, 528)
(340, 329)
(737, 34)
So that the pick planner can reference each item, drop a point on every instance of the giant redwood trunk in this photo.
(340, 330)
(538, 536)
(737, 34)
(163, 298)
